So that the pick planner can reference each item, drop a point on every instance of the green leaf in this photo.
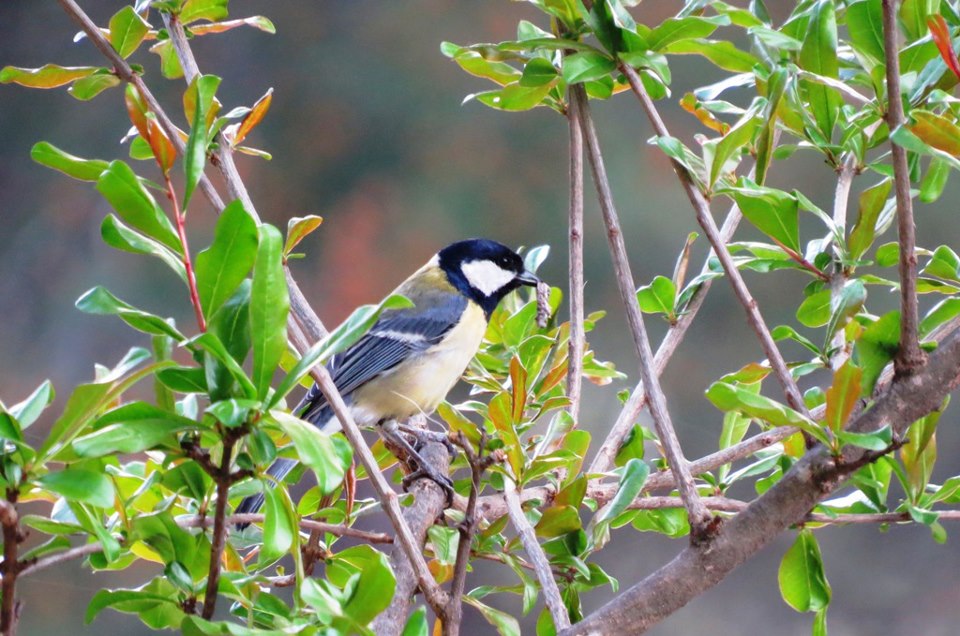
(877, 346)
(659, 297)
(803, 584)
(632, 479)
(474, 63)
(538, 72)
(99, 301)
(321, 599)
(774, 212)
(328, 456)
(374, 590)
(279, 525)
(846, 306)
(86, 88)
(49, 76)
(212, 10)
(119, 236)
(941, 313)
(212, 344)
(686, 28)
(913, 16)
(417, 623)
(184, 379)
(225, 264)
(80, 485)
(513, 97)
(877, 440)
(50, 156)
(842, 395)
(27, 411)
(87, 400)
(723, 54)
(133, 602)
(872, 202)
(586, 66)
(203, 88)
(935, 180)
(814, 311)
(298, 228)
(134, 204)
(943, 264)
(557, 521)
(819, 55)
(134, 433)
(865, 25)
(721, 150)
(731, 397)
(505, 624)
(127, 30)
(269, 305)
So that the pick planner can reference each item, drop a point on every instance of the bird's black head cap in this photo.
(484, 270)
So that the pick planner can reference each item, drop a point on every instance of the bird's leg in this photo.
(395, 436)
(424, 435)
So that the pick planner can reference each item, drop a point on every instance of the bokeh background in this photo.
(368, 130)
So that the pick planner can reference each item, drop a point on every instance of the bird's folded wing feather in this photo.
(398, 335)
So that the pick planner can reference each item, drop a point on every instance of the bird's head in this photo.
(484, 270)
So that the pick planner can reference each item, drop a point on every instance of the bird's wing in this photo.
(398, 334)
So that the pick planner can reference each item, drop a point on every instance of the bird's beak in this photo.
(528, 278)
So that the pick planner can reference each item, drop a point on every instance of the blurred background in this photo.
(368, 130)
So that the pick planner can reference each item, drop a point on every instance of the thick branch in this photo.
(551, 593)
(810, 480)
(705, 219)
(699, 515)
(909, 357)
(429, 500)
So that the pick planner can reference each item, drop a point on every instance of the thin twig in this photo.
(699, 516)
(127, 74)
(181, 223)
(909, 356)
(467, 529)
(223, 481)
(668, 346)
(551, 593)
(435, 596)
(705, 219)
(575, 243)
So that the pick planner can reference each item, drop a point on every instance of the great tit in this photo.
(411, 358)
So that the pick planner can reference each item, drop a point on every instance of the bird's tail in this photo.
(325, 420)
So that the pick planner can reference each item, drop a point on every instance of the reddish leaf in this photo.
(163, 150)
(940, 33)
(298, 228)
(692, 105)
(254, 117)
(842, 395)
(137, 109)
(256, 21)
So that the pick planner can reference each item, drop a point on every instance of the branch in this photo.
(407, 560)
(127, 74)
(223, 480)
(909, 356)
(809, 481)
(551, 593)
(577, 336)
(705, 219)
(699, 516)
(668, 346)
(467, 528)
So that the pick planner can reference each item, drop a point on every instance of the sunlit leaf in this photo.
(803, 584)
(127, 30)
(49, 76)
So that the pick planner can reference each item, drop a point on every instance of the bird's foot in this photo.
(422, 435)
(396, 435)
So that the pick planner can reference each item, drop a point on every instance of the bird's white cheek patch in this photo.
(486, 276)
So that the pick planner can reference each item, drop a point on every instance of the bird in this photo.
(412, 357)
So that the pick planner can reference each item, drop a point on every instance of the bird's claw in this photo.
(424, 470)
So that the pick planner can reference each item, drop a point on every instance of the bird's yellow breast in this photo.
(420, 383)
